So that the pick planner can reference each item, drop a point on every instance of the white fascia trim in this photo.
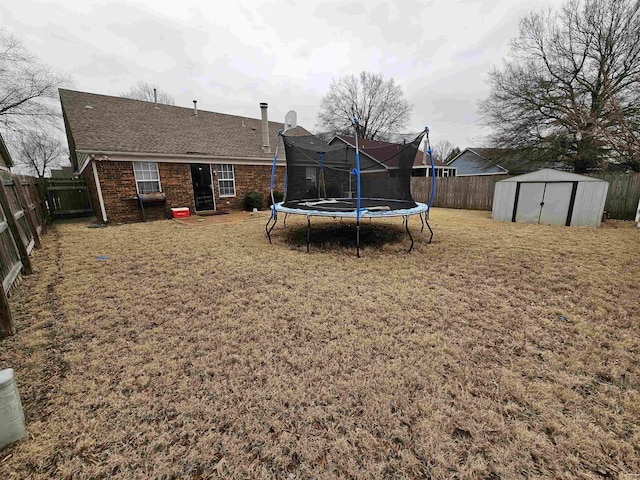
(84, 164)
(179, 158)
(480, 174)
(438, 167)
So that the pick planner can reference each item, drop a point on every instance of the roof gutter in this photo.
(169, 157)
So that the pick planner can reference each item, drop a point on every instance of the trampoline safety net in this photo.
(323, 176)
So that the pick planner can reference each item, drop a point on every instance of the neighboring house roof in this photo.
(363, 144)
(418, 162)
(101, 123)
(498, 161)
(477, 161)
(381, 151)
(5, 156)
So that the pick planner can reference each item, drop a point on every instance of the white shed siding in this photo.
(588, 205)
(504, 196)
(588, 209)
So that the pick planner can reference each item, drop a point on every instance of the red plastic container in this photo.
(180, 212)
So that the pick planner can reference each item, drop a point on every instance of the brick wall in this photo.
(118, 185)
(249, 178)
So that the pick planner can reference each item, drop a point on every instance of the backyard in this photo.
(166, 350)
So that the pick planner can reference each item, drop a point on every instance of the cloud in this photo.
(234, 55)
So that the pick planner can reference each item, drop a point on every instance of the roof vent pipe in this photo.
(195, 108)
(155, 96)
(265, 127)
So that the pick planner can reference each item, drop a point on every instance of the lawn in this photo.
(498, 351)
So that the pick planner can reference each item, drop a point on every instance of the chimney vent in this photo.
(195, 108)
(155, 95)
(265, 127)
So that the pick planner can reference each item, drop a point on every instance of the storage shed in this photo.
(550, 197)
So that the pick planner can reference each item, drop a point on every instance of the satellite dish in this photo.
(290, 120)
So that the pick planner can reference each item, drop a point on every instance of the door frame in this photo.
(213, 191)
(572, 199)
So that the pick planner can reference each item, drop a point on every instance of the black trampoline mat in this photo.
(349, 204)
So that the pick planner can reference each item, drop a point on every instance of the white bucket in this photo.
(11, 413)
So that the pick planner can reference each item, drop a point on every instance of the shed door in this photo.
(530, 200)
(555, 208)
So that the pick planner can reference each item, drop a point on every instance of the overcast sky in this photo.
(231, 55)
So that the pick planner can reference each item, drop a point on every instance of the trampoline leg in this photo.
(421, 221)
(429, 227)
(358, 239)
(274, 217)
(284, 222)
(308, 232)
(406, 224)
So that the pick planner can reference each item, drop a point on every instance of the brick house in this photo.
(182, 157)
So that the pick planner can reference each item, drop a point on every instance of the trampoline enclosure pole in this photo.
(357, 171)
(433, 169)
(273, 173)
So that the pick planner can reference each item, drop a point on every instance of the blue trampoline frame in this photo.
(421, 209)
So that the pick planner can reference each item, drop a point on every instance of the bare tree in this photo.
(443, 149)
(145, 91)
(570, 89)
(39, 150)
(378, 104)
(27, 86)
(452, 154)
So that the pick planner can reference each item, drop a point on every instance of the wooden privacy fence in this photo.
(473, 193)
(623, 194)
(476, 192)
(22, 218)
(68, 197)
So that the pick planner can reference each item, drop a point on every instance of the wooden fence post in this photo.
(6, 320)
(41, 185)
(15, 231)
(33, 224)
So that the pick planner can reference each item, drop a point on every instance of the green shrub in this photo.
(277, 196)
(253, 200)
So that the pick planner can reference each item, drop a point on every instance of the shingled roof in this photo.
(102, 123)
(382, 151)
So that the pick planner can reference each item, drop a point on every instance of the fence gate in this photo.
(68, 198)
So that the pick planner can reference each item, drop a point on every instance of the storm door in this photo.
(202, 187)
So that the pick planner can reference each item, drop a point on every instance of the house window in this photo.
(226, 180)
(311, 174)
(147, 177)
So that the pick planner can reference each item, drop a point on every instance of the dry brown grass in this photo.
(206, 352)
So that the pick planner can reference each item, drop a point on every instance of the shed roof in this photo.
(551, 175)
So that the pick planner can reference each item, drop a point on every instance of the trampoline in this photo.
(350, 180)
